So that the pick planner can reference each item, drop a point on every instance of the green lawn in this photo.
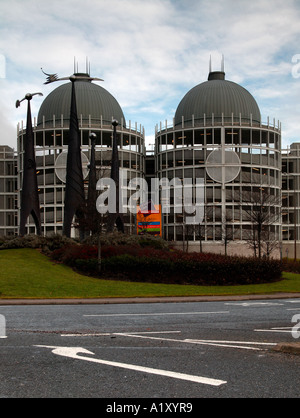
(26, 273)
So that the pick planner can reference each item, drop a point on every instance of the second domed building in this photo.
(217, 137)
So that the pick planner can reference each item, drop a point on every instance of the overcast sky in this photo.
(151, 53)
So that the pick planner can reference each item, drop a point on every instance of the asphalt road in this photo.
(154, 351)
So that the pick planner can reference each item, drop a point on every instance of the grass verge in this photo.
(25, 273)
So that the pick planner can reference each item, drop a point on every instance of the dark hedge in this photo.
(181, 268)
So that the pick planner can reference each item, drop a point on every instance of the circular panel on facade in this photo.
(61, 166)
(217, 161)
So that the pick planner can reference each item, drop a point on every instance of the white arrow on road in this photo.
(72, 352)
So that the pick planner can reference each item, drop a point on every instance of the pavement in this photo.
(288, 348)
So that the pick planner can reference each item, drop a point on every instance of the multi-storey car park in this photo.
(217, 135)
(96, 109)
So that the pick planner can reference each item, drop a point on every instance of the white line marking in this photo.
(145, 335)
(110, 334)
(222, 345)
(283, 328)
(162, 314)
(155, 332)
(84, 335)
(272, 330)
(235, 342)
(229, 344)
(249, 304)
(72, 352)
(293, 301)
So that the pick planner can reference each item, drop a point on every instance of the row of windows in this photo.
(198, 156)
(59, 138)
(8, 201)
(8, 185)
(8, 168)
(248, 175)
(8, 219)
(232, 136)
(234, 216)
(195, 233)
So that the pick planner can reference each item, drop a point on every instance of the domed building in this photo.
(96, 109)
(218, 140)
(217, 98)
(94, 105)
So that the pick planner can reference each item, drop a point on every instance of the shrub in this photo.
(186, 269)
(55, 242)
(72, 252)
(68, 254)
(118, 238)
(47, 244)
(149, 259)
(28, 241)
(291, 266)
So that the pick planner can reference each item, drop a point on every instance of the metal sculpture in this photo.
(74, 192)
(30, 204)
(117, 217)
(93, 217)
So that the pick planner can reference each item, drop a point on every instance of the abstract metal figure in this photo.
(75, 77)
(117, 217)
(93, 217)
(30, 204)
(74, 192)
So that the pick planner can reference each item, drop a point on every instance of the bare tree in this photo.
(262, 210)
(201, 228)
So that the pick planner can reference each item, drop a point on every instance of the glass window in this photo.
(208, 136)
(255, 136)
(199, 137)
(217, 136)
(107, 139)
(199, 157)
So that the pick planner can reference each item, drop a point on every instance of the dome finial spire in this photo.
(216, 75)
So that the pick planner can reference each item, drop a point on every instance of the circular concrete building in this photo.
(96, 109)
(218, 137)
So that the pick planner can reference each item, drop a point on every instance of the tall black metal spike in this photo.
(117, 217)
(74, 192)
(93, 218)
(30, 204)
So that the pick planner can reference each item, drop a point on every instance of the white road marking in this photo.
(227, 344)
(85, 335)
(293, 301)
(235, 342)
(161, 314)
(282, 328)
(276, 329)
(249, 304)
(112, 333)
(145, 335)
(72, 352)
